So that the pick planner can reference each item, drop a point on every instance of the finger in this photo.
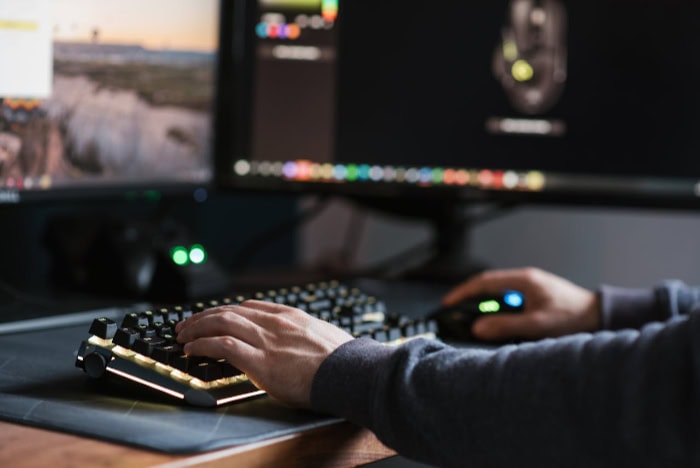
(196, 317)
(488, 282)
(236, 309)
(266, 306)
(221, 323)
(238, 353)
(507, 326)
(273, 316)
(248, 359)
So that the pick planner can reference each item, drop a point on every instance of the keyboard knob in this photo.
(95, 364)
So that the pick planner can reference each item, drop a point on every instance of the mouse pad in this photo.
(40, 386)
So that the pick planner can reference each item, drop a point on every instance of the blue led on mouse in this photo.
(513, 298)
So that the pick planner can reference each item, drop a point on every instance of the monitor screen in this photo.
(525, 100)
(106, 97)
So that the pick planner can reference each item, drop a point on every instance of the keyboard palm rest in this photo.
(142, 348)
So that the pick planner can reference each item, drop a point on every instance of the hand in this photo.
(554, 306)
(280, 348)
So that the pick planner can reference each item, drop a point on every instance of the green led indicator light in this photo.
(152, 195)
(352, 172)
(438, 175)
(179, 255)
(488, 307)
(197, 254)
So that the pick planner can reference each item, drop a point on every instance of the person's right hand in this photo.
(554, 306)
(279, 347)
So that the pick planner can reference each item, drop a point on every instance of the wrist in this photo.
(593, 312)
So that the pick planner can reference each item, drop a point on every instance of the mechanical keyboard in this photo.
(142, 347)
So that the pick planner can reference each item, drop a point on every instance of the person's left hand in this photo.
(279, 348)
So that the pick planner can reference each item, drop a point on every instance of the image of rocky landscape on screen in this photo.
(123, 105)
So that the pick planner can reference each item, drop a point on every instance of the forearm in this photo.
(607, 399)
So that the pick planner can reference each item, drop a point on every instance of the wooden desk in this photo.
(338, 445)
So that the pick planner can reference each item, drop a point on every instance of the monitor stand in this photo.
(448, 258)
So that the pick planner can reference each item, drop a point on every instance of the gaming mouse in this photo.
(455, 321)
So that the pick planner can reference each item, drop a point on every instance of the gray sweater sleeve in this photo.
(632, 308)
(627, 398)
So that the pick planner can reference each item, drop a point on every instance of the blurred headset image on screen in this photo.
(530, 58)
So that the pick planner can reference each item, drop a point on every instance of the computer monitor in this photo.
(101, 97)
(432, 106)
(107, 117)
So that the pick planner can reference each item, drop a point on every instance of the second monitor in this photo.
(107, 116)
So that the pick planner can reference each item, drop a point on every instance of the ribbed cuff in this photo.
(342, 385)
(627, 308)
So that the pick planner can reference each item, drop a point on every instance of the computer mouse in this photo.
(455, 321)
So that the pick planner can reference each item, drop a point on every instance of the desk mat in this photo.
(40, 386)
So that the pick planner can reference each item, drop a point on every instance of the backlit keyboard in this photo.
(141, 348)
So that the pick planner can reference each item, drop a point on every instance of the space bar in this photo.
(67, 320)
